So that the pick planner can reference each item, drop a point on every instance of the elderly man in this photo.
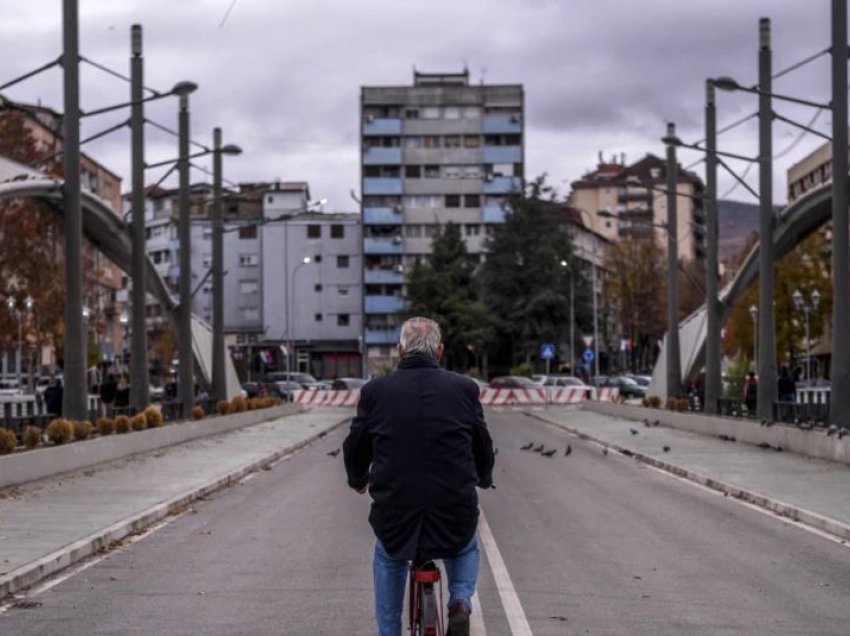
(422, 431)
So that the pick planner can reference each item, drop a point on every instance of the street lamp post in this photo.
(123, 320)
(13, 308)
(572, 317)
(807, 308)
(674, 373)
(186, 390)
(305, 261)
(754, 312)
(593, 267)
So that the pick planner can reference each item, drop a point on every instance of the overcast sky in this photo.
(282, 78)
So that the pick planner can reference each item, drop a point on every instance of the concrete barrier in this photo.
(813, 443)
(40, 463)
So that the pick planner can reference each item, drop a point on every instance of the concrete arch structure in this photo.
(793, 224)
(111, 235)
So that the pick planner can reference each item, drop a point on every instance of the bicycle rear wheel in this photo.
(429, 611)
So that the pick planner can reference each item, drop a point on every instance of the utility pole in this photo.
(674, 373)
(186, 388)
(219, 383)
(712, 343)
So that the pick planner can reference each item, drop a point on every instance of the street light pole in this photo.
(291, 319)
(767, 350)
(754, 311)
(123, 319)
(712, 342)
(186, 391)
(138, 347)
(674, 373)
(839, 407)
(75, 395)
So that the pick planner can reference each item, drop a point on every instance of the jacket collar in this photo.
(416, 361)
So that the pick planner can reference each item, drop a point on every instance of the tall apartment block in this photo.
(440, 151)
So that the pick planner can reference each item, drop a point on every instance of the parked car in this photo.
(284, 389)
(513, 382)
(306, 380)
(643, 380)
(561, 380)
(629, 388)
(347, 384)
(252, 389)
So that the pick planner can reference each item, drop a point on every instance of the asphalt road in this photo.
(592, 544)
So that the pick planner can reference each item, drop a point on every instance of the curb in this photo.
(781, 508)
(31, 573)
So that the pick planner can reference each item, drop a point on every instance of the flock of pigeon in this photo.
(542, 449)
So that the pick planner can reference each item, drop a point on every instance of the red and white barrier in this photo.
(569, 395)
(326, 398)
(607, 394)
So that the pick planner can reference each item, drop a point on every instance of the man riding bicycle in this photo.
(420, 443)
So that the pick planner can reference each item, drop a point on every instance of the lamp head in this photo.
(307, 260)
(815, 299)
(231, 149)
(10, 303)
(29, 302)
(124, 318)
(797, 297)
(182, 89)
(726, 83)
(753, 311)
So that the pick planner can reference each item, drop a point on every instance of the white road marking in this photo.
(476, 619)
(517, 621)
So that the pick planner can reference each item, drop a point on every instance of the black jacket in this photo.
(422, 430)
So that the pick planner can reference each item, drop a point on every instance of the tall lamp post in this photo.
(305, 261)
(807, 308)
(674, 372)
(566, 265)
(123, 320)
(754, 313)
(29, 303)
(593, 284)
(219, 381)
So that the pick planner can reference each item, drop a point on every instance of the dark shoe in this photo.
(458, 619)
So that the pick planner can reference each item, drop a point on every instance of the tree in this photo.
(443, 288)
(523, 281)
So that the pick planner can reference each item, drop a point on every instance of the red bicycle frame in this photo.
(425, 613)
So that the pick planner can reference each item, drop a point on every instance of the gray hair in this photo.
(420, 336)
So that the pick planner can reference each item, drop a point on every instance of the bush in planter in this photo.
(238, 405)
(222, 407)
(198, 413)
(60, 431)
(654, 401)
(82, 429)
(122, 424)
(153, 416)
(8, 441)
(139, 422)
(682, 404)
(32, 436)
(105, 426)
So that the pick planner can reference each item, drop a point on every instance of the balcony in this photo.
(502, 154)
(381, 336)
(501, 124)
(380, 126)
(381, 156)
(494, 214)
(501, 185)
(382, 216)
(382, 185)
(383, 277)
(384, 304)
(394, 245)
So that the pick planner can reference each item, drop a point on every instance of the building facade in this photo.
(442, 150)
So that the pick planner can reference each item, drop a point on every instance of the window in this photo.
(413, 142)
(342, 261)
(411, 113)
(343, 320)
(429, 112)
(270, 199)
(317, 287)
(314, 231)
(451, 141)
(250, 313)
(337, 231)
(207, 288)
(249, 260)
(206, 260)
(342, 291)
(318, 317)
(472, 172)
(452, 200)
(413, 172)
(431, 141)
(473, 229)
(317, 258)
(471, 141)
(451, 172)
(248, 232)
(206, 233)
(249, 286)
(472, 201)
(432, 230)
(432, 172)
(413, 231)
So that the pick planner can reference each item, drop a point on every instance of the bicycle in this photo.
(425, 613)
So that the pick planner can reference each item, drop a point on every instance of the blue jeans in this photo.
(391, 576)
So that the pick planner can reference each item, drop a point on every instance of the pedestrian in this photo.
(420, 444)
(787, 387)
(108, 392)
(122, 393)
(53, 397)
(751, 392)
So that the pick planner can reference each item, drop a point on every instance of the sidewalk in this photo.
(50, 524)
(815, 492)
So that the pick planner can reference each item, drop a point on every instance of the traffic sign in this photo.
(587, 356)
(588, 340)
(547, 351)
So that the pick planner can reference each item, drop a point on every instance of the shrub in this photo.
(8, 441)
(238, 405)
(522, 369)
(60, 431)
(153, 416)
(222, 407)
(197, 413)
(82, 429)
(105, 426)
(682, 404)
(139, 422)
(654, 401)
(671, 404)
(122, 424)
(32, 436)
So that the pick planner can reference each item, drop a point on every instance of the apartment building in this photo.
(442, 150)
(630, 201)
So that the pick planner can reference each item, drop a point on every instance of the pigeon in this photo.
(495, 451)
(764, 445)
(527, 446)
(843, 431)
(538, 449)
(549, 453)
(605, 450)
(778, 449)
(656, 423)
(627, 452)
(764, 421)
(833, 428)
(646, 422)
(333, 453)
(568, 450)
(633, 431)
(666, 449)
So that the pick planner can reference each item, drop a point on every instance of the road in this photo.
(591, 544)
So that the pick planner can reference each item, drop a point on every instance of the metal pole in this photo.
(839, 406)
(674, 374)
(186, 390)
(75, 394)
(595, 313)
(808, 349)
(138, 345)
(20, 353)
(712, 342)
(219, 384)
(572, 323)
(767, 392)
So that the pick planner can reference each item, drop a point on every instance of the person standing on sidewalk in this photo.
(420, 444)
(751, 387)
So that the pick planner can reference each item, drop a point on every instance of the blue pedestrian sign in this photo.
(547, 351)
(587, 356)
